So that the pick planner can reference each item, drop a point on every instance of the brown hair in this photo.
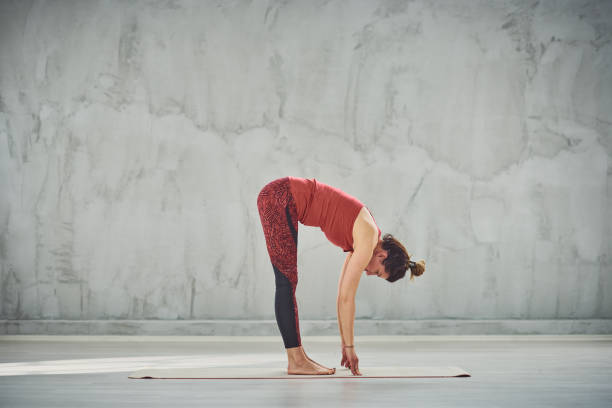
(398, 260)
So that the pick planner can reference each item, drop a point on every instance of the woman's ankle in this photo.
(296, 354)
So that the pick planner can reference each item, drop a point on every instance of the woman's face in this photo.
(375, 266)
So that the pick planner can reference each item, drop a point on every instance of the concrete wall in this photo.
(135, 137)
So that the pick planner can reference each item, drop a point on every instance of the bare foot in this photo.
(308, 367)
(320, 365)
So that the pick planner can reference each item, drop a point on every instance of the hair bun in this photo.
(417, 268)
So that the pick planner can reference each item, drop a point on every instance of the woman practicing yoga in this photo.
(346, 223)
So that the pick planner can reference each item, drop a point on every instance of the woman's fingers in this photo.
(350, 361)
(355, 366)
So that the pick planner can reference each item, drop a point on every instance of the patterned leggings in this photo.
(278, 215)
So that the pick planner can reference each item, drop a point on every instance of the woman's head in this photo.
(398, 260)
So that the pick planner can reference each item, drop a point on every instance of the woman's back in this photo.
(327, 207)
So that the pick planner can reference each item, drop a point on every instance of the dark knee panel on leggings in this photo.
(290, 223)
(285, 310)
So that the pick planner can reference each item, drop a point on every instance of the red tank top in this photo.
(324, 206)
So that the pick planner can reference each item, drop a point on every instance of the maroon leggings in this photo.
(278, 215)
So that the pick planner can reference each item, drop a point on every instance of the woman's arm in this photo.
(363, 246)
(348, 256)
(346, 296)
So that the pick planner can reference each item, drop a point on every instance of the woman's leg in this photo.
(278, 214)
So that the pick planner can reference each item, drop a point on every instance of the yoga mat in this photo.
(251, 372)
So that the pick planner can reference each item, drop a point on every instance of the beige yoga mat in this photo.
(251, 372)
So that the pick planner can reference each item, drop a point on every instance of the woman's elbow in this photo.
(344, 298)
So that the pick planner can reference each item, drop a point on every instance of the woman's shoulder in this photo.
(364, 227)
(365, 219)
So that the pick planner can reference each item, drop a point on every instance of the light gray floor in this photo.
(507, 371)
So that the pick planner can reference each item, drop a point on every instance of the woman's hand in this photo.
(350, 360)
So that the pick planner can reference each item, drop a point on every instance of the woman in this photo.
(346, 223)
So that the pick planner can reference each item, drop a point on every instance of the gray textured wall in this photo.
(135, 137)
